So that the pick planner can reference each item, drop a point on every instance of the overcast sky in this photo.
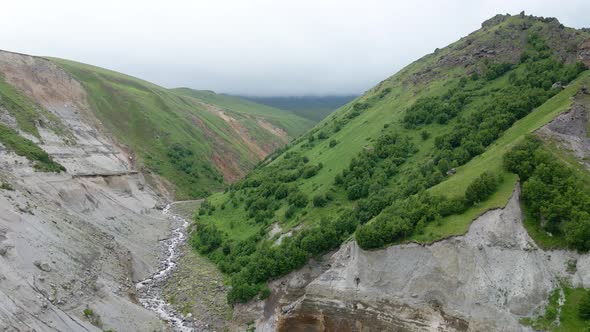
(256, 47)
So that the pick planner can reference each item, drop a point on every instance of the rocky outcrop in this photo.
(584, 52)
(569, 129)
(485, 280)
(77, 240)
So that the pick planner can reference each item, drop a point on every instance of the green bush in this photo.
(481, 188)
(6, 186)
(319, 200)
(552, 192)
(424, 135)
(88, 313)
(207, 238)
(584, 307)
(264, 292)
(290, 212)
(310, 170)
(297, 199)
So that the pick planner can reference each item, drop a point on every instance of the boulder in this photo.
(42, 266)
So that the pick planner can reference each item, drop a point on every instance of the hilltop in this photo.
(416, 159)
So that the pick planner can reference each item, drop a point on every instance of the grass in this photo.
(386, 108)
(561, 318)
(11, 139)
(361, 131)
(293, 124)
(27, 114)
(491, 161)
(150, 119)
(223, 218)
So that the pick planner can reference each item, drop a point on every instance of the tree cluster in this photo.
(555, 197)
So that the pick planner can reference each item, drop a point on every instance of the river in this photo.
(150, 290)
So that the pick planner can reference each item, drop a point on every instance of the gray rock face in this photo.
(42, 266)
(569, 129)
(73, 240)
(483, 281)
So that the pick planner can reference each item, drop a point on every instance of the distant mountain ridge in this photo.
(315, 108)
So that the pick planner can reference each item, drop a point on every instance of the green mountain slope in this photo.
(194, 143)
(294, 125)
(315, 108)
(417, 157)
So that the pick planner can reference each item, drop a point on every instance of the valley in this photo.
(452, 196)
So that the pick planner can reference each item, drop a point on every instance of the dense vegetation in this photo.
(527, 89)
(555, 197)
(374, 168)
(11, 139)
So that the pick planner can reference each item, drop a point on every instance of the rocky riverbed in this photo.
(196, 287)
(150, 290)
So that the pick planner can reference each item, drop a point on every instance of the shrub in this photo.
(552, 192)
(319, 200)
(6, 186)
(424, 135)
(310, 170)
(584, 307)
(264, 292)
(384, 93)
(290, 211)
(332, 143)
(297, 199)
(282, 191)
(481, 188)
(88, 313)
(207, 238)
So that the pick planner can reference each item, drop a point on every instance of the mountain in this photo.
(314, 108)
(194, 144)
(293, 124)
(88, 160)
(419, 186)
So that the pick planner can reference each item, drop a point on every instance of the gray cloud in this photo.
(257, 47)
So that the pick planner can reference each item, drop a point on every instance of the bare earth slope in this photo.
(74, 240)
(482, 281)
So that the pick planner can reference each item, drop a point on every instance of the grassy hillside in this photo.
(293, 124)
(194, 143)
(315, 108)
(26, 115)
(417, 157)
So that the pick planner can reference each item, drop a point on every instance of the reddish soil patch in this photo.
(260, 151)
(229, 166)
(225, 161)
(279, 132)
